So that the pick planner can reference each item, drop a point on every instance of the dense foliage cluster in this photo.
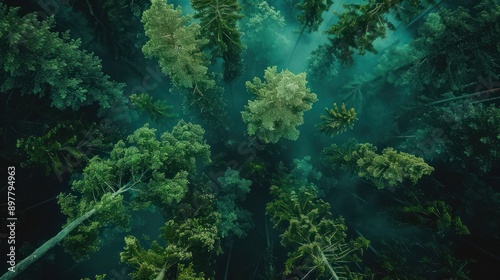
(279, 106)
(337, 121)
(314, 239)
(464, 134)
(36, 61)
(430, 98)
(452, 49)
(176, 44)
(218, 24)
(389, 169)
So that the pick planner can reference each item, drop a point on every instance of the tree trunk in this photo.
(38, 253)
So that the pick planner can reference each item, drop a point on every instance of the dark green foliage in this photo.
(437, 215)
(361, 24)
(218, 19)
(64, 147)
(453, 48)
(209, 108)
(388, 169)
(235, 221)
(114, 21)
(158, 111)
(336, 122)
(316, 242)
(190, 239)
(463, 134)
(263, 34)
(39, 62)
(406, 258)
(482, 201)
(311, 11)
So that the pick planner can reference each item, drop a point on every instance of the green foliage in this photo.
(321, 63)
(360, 25)
(262, 33)
(188, 273)
(311, 11)
(302, 173)
(435, 260)
(388, 169)
(235, 221)
(279, 105)
(147, 263)
(336, 122)
(115, 22)
(209, 107)
(158, 111)
(315, 240)
(218, 19)
(64, 147)
(176, 45)
(36, 61)
(452, 49)
(154, 171)
(360, 88)
(83, 241)
(436, 214)
(97, 277)
(193, 239)
(463, 134)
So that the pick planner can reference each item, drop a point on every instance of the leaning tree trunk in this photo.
(38, 253)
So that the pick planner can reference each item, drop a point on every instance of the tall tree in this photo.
(155, 171)
(176, 44)
(37, 61)
(317, 243)
(218, 19)
(279, 105)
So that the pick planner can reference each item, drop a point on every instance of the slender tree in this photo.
(218, 19)
(155, 171)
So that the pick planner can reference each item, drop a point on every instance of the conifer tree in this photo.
(176, 44)
(279, 106)
(218, 19)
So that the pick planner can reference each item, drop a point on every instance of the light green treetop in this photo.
(154, 171)
(279, 106)
(176, 45)
(389, 169)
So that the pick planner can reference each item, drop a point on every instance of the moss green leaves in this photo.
(188, 240)
(317, 243)
(218, 19)
(436, 214)
(337, 121)
(176, 45)
(389, 169)
(279, 106)
(154, 170)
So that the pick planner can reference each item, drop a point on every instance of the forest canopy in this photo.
(265, 139)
